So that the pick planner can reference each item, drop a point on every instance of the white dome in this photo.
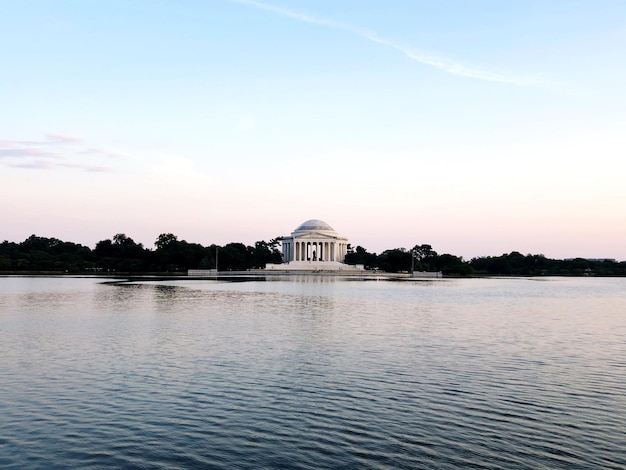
(314, 225)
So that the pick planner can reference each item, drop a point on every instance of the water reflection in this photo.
(313, 371)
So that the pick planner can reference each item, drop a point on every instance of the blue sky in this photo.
(479, 127)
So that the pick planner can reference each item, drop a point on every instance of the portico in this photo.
(314, 245)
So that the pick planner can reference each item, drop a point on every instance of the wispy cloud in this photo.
(33, 165)
(88, 168)
(63, 138)
(450, 66)
(11, 151)
(55, 151)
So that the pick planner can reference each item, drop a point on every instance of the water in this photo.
(313, 373)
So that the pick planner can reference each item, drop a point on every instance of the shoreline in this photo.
(276, 275)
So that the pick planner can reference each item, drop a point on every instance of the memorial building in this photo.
(314, 245)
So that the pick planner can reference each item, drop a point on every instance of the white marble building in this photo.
(314, 245)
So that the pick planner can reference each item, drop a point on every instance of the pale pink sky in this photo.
(239, 120)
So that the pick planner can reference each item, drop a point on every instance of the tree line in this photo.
(121, 254)
(424, 258)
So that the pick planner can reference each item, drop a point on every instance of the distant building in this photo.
(314, 246)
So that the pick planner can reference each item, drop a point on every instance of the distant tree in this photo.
(515, 263)
(450, 264)
(5, 263)
(206, 263)
(261, 255)
(264, 253)
(105, 249)
(275, 246)
(424, 257)
(121, 254)
(8, 255)
(420, 252)
(234, 257)
(172, 254)
(164, 240)
(121, 239)
(274, 243)
(209, 260)
(352, 257)
(395, 260)
(45, 254)
(360, 255)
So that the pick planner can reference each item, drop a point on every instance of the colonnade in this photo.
(313, 250)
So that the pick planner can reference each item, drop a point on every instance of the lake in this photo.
(313, 372)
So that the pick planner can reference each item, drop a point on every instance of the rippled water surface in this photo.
(313, 372)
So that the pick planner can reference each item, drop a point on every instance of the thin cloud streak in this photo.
(26, 153)
(33, 165)
(63, 138)
(56, 151)
(442, 63)
(88, 168)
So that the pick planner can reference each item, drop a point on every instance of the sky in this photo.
(479, 127)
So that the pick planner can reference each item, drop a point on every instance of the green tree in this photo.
(420, 252)
(174, 255)
(360, 255)
(121, 254)
(450, 264)
(395, 260)
(235, 257)
(164, 240)
(264, 253)
(424, 257)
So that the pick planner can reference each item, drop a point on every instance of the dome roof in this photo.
(314, 224)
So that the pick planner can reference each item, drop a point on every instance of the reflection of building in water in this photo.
(314, 245)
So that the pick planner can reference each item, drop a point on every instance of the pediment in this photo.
(316, 236)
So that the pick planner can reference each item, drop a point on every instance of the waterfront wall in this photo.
(428, 274)
(202, 272)
(330, 266)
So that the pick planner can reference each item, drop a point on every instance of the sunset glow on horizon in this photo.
(479, 128)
